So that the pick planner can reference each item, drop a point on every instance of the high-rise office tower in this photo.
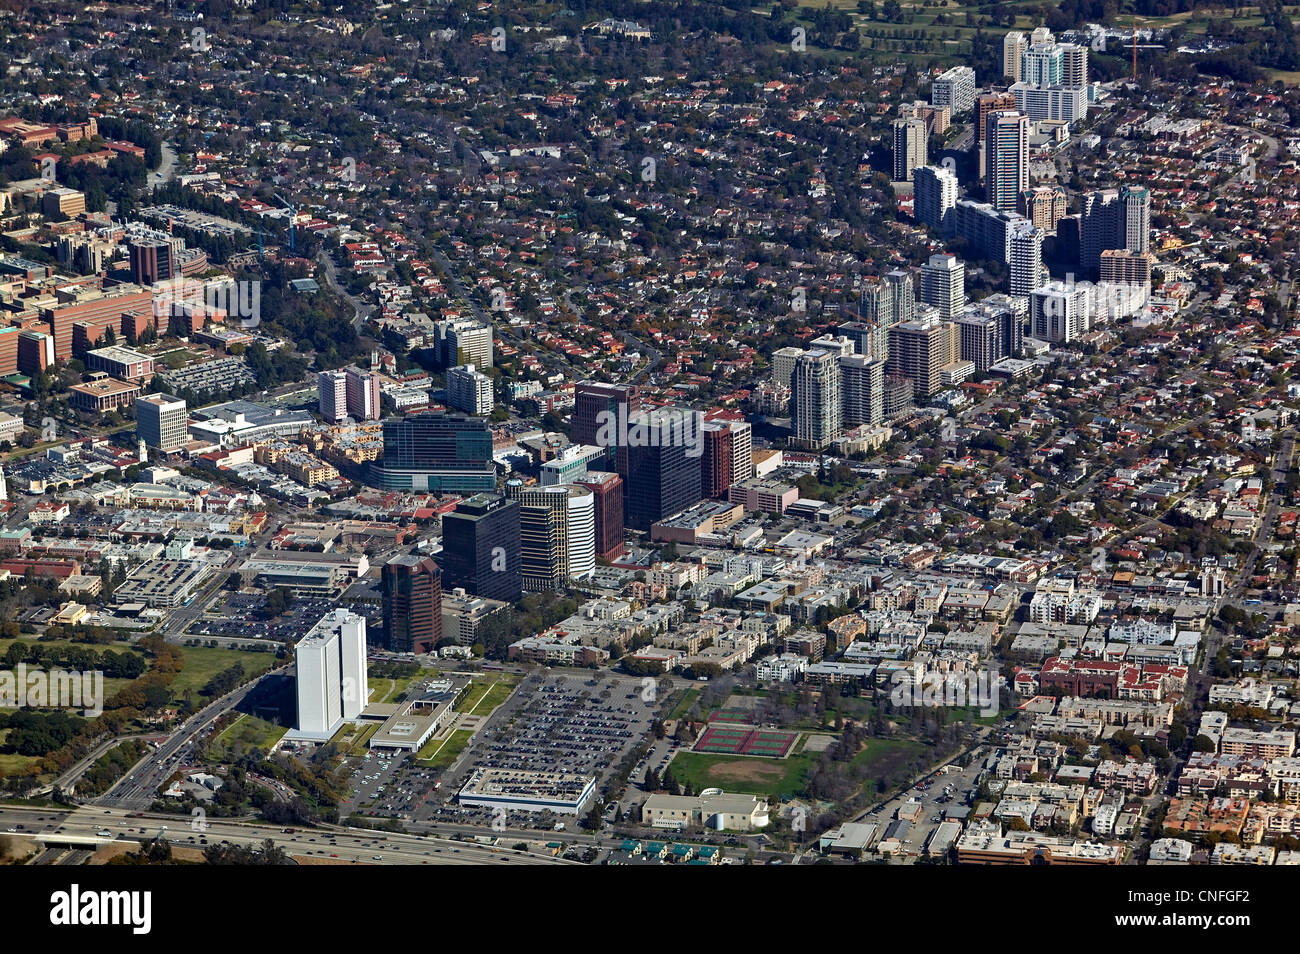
(1024, 258)
(920, 350)
(1007, 158)
(330, 664)
(412, 601)
(598, 411)
(815, 400)
(716, 466)
(934, 196)
(580, 531)
(1013, 50)
(954, 88)
(480, 548)
(161, 422)
(438, 453)
(943, 284)
(607, 493)
(861, 390)
(910, 145)
(742, 451)
(557, 530)
(469, 390)
(1040, 35)
(665, 466)
(728, 456)
(1134, 219)
(541, 548)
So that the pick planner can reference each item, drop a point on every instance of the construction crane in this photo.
(259, 233)
(292, 212)
(1134, 25)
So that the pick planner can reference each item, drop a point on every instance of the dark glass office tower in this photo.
(664, 467)
(438, 453)
(480, 548)
(598, 413)
(412, 604)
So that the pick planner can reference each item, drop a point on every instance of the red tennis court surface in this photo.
(737, 740)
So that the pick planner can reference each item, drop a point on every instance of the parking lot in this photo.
(244, 615)
(387, 784)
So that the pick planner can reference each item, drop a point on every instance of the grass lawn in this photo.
(387, 690)
(17, 764)
(483, 697)
(684, 704)
(246, 733)
(439, 753)
(739, 773)
(782, 777)
(202, 663)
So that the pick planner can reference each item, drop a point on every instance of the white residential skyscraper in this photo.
(955, 88)
(934, 190)
(943, 285)
(469, 390)
(1006, 141)
(815, 399)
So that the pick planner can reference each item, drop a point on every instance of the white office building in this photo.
(581, 531)
(161, 422)
(331, 676)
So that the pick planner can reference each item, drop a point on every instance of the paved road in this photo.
(139, 787)
(330, 842)
(361, 311)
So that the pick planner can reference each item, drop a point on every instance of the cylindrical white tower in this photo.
(581, 531)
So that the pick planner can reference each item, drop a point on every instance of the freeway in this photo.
(51, 828)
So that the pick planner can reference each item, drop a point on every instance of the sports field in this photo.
(739, 740)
